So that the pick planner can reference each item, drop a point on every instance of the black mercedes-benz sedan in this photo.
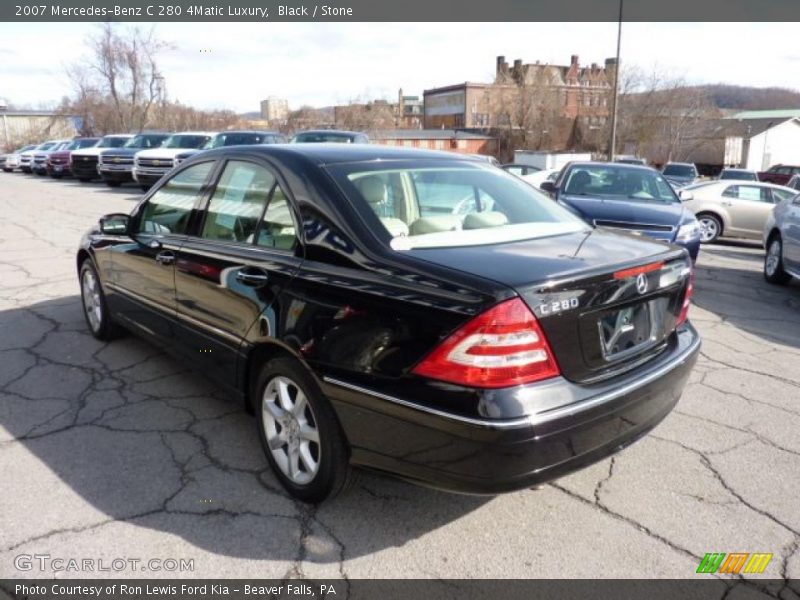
(406, 311)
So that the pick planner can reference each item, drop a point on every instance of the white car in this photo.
(13, 159)
(83, 163)
(26, 157)
(150, 165)
(732, 208)
(538, 178)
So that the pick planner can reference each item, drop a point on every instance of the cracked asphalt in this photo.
(118, 451)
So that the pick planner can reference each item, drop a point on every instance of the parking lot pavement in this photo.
(117, 451)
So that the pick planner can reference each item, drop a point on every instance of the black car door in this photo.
(142, 272)
(229, 275)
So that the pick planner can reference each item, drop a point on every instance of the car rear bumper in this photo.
(488, 456)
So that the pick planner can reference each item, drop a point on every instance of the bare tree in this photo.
(365, 116)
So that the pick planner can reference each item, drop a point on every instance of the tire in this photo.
(773, 262)
(113, 184)
(144, 187)
(7, 170)
(320, 468)
(710, 228)
(84, 179)
(95, 308)
(56, 176)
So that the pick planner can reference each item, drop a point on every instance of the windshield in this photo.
(238, 139)
(112, 142)
(47, 146)
(85, 143)
(680, 170)
(448, 206)
(609, 181)
(145, 141)
(186, 141)
(738, 174)
(311, 137)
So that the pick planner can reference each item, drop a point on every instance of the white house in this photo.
(758, 139)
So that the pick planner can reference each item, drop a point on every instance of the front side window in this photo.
(238, 202)
(425, 205)
(168, 210)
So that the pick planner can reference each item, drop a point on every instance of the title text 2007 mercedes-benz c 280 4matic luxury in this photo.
(411, 312)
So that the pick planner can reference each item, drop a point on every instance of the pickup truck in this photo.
(779, 174)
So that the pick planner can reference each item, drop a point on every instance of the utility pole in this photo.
(612, 149)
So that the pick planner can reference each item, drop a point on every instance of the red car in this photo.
(779, 174)
(57, 163)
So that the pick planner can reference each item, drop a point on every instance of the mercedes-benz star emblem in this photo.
(641, 283)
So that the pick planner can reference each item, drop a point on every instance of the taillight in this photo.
(687, 301)
(502, 347)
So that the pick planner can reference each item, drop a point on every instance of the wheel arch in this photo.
(83, 255)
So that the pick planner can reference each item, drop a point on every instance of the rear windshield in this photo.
(738, 174)
(618, 181)
(322, 137)
(680, 170)
(423, 206)
(239, 139)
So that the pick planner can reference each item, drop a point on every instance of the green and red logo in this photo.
(734, 563)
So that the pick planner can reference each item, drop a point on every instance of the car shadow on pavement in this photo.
(145, 441)
(128, 191)
(738, 294)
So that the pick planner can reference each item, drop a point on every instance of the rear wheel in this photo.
(710, 228)
(299, 431)
(95, 309)
(773, 262)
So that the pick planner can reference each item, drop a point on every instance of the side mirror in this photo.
(548, 186)
(685, 196)
(115, 224)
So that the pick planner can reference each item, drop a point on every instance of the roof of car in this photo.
(342, 153)
(253, 131)
(333, 131)
(616, 165)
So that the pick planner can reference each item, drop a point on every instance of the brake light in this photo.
(502, 347)
(638, 270)
(687, 301)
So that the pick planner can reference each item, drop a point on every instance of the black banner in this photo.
(412, 589)
(398, 11)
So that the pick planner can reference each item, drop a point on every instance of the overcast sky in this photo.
(321, 64)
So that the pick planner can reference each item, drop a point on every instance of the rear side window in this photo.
(277, 228)
(238, 202)
(167, 211)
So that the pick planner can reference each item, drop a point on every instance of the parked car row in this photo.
(146, 157)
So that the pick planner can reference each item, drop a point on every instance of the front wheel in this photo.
(773, 262)
(710, 228)
(95, 308)
(299, 431)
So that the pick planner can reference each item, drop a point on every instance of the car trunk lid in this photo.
(607, 302)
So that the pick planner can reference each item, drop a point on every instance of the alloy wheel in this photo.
(92, 302)
(773, 257)
(291, 430)
(709, 230)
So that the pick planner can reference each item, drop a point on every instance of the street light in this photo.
(616, 87)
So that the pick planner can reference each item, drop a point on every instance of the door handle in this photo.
(252, 277)
(165, 257)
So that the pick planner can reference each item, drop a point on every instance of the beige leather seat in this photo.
(435, 224)
(376, 194)
(482, 220)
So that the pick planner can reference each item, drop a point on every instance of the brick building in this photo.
(551, 100)
(464, 142)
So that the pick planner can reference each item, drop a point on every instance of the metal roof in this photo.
(783, 113)
(427, 134)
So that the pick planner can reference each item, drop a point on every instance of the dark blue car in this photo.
(627, 197)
